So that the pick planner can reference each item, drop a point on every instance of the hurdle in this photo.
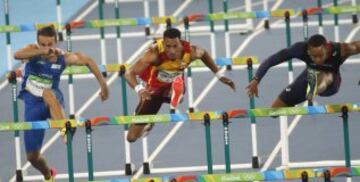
(198, 116)
(305, 17)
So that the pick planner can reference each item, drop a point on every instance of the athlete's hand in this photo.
(229, 82)
(104, 93)
(252, 88)
(52, 51)
(145, 94)
(42, 50)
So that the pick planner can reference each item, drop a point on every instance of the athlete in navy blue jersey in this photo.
(321, 76)
(40, 89)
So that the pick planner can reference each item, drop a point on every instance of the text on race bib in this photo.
(168, 76)
(36, 85)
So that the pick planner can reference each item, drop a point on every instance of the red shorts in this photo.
(157, 90)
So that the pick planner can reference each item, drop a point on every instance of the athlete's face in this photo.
(317, 54)
(46, 41)
(172, 48)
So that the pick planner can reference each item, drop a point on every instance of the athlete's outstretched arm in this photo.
(30, 51)
(279, 57)
(33, 50)
(83, 60)
(149, 57)
(199, 53)
(349, 49)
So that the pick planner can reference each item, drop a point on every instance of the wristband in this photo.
(219, 74)
(138, 88)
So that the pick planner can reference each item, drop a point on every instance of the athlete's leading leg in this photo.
(293, 94)
(33, 138)
(54, 105)
(145, 107)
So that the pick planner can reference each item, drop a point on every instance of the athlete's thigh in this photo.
(333, 88)
(295, 93)
(33, 139)
(151, 106)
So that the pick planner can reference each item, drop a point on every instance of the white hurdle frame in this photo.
(201, 32)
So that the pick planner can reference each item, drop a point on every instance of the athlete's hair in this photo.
(48, 31)
(316, 40)
(172, 33)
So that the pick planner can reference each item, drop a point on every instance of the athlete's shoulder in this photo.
(196, 52)
(346, 49)
(298, 49)
(150, 55)
(301, 45)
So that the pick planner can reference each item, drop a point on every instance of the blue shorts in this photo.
(295, 93)
(35, 110)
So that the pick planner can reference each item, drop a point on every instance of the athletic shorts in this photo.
(163, 91)
(295, 93)
(36, 110)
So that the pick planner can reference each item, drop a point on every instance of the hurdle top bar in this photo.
(184, 117)
(111, 68)
(177, 20)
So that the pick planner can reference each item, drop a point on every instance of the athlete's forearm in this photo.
(95, 70)
(209, 62)
(271, 61)
(130, 77)
(29, 53)
(295, 51)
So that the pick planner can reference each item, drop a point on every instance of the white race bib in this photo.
(168, 76)
(36, 85)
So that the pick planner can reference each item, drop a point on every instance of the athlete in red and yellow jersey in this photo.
(161, 65)
(160, 75)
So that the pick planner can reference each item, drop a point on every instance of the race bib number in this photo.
(168, 76)
(36, 85)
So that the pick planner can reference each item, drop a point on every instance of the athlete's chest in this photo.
(172, 65)
(333, 58)
(178, 64)
(44, 68)
(332, 62)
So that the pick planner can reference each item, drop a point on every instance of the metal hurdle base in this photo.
(255, 162)
(191, 110)
(355, 19)
(267, 24)
(146, 169)
(128, 169)
(19, 176)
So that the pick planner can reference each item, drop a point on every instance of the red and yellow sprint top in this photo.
(165, 72)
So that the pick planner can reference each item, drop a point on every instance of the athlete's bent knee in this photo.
(33, 157)
(48, 95)
(131, 138)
